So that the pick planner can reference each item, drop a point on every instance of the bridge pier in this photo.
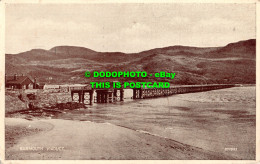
(118, 95)
(91, 96)
(82, 95)
(105, 96)
(121, 95)
(134, 93)
(137, 93)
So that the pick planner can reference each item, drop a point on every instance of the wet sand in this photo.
(213, 121)
(66, 139)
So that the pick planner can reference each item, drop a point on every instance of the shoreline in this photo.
(192, 120)
(57, 139)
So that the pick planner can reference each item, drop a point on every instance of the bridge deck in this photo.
(106, 95)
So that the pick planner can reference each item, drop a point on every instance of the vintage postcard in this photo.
(129, 81)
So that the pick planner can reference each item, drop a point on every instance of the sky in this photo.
(126, 27)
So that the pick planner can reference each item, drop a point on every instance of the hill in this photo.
(233, 63)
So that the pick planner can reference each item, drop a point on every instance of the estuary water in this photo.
(220, 120)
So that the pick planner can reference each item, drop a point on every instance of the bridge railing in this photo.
(140, 93)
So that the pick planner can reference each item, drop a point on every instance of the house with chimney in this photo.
(20, 82)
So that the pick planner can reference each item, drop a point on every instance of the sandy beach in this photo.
(215, 125)
(66, 139)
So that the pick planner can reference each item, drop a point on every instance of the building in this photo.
(39, 86)
(19, 82)
(49, 86)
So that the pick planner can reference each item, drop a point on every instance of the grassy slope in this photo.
(234, 63)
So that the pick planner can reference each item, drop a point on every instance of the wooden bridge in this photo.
(86, 94)
(142, 93)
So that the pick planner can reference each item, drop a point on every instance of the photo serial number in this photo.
(231, 149)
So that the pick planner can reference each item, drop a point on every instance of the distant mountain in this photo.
(233, 63)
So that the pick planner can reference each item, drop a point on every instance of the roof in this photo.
(40, 84)
(19, 80)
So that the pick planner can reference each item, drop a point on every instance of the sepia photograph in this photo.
(130, 81)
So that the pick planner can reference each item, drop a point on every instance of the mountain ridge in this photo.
(194, 65)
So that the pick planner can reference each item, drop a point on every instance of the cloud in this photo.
(128, 27)
(135, 30)
(219, 25)
(43, 33)
(179, 20)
